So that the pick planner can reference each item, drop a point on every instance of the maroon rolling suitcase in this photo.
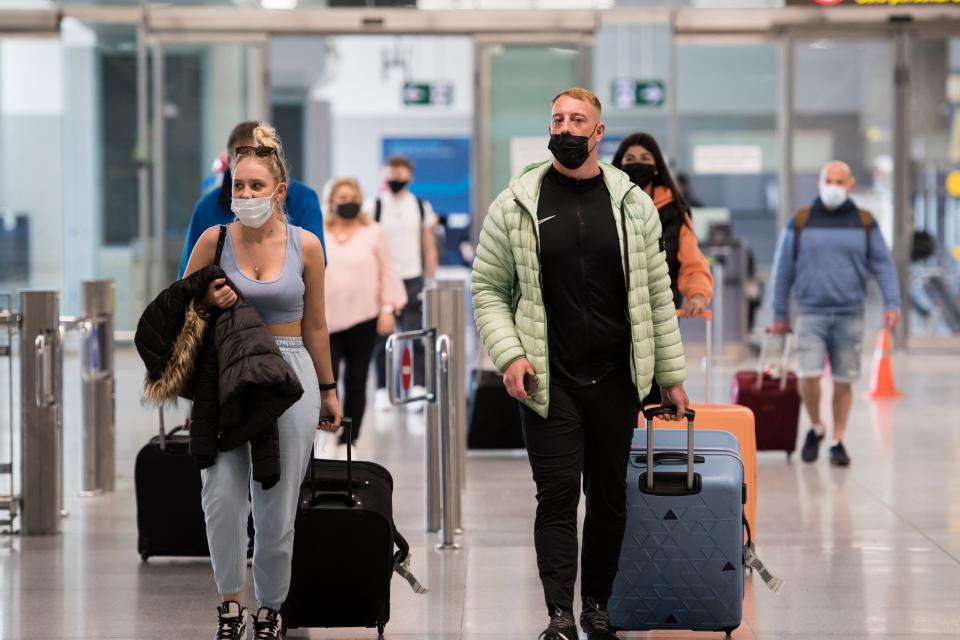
(774, 401)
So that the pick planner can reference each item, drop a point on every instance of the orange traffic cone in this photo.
(881, 380)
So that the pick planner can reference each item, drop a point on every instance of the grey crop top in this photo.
(279, 300)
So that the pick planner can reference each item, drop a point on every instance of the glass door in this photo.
(201, 89)
(934, 134)
(728, 142)
(843, 109)
(516, 82)
(32, 235)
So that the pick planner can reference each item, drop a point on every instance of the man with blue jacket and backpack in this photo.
(826, 254)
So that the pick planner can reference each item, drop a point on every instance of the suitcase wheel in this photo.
(380, 629)
(144, 557)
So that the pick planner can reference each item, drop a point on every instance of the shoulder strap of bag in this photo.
(799, 222)
(422, 214)
(220, 241)
(376, 210)
(866, 220)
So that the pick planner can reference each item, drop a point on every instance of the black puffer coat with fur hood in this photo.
(227, 363)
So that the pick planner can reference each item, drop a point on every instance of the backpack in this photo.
(803, 217)
(379, 207)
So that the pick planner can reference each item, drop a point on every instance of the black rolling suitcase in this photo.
(169, 515)
(170, 519)
(343, 549)
(494, 417)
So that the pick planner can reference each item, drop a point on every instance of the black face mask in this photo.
(641, 173)
(570, 151)
(397, 185)
(348, 210)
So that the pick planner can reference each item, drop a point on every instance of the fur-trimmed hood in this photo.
(178, 371)
(169, 335)
(193, 355)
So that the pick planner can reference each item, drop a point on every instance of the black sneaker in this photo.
(232, 624)
(595, 621)
(811, 446)
(561, 627)
(268, 625)
(838, 456)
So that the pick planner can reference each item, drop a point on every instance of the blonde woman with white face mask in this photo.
(279, 268)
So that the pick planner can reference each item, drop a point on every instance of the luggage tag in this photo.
(750, 559)
(403, 570)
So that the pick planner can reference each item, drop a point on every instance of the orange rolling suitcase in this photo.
(735, 419)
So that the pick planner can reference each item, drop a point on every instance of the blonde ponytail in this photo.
(266, 136)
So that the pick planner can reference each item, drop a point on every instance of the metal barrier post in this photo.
(447, 442)
(454, 325)
(98, 439)
(433, 317)
(443, 312)
(432, 457)
(41, 371)
(9, 502)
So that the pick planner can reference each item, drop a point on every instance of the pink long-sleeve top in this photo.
(360, 278)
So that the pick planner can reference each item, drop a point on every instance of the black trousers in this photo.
(353, 347)
(587, 432)
(411, 319)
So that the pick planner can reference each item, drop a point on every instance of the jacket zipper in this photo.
(626, 273)
(583, 280)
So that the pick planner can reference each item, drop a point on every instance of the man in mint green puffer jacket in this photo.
(572, 299)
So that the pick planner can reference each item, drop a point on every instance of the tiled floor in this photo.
(869, 552)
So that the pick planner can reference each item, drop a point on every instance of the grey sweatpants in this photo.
(226, 506)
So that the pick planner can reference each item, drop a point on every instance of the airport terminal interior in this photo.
(114, 120)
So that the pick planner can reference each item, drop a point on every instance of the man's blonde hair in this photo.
(579, 93)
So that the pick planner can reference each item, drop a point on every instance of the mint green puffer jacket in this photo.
(508, 295)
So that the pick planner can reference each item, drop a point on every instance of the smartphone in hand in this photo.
(530, 384)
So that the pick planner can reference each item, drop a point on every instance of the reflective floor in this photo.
(873, 551)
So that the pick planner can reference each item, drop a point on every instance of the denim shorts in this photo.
(839, 336)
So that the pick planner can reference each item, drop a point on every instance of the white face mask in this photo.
(253, 212)
(832, 195)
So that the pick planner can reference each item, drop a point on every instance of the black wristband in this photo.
(331, 386)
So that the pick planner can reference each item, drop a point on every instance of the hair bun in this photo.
(266, 136)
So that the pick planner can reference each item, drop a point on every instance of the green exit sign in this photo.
(427, 93)
(629, 93)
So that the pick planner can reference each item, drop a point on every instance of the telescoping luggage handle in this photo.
(401, 559)
(784, 360)
(650, 414)
(347, 496)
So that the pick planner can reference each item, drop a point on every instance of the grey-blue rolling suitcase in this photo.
(681, 564)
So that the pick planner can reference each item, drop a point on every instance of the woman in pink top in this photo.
(364, 294)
